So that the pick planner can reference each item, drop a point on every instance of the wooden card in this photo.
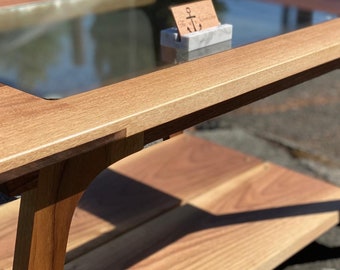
(195, 16)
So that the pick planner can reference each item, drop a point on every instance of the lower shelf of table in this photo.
(190, 204)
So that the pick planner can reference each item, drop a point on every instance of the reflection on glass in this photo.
(119, 30)
(293, 18)
(22, 63)
(55, 51)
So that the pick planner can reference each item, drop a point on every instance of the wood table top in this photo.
(35, 132)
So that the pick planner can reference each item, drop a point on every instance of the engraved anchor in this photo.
(191, 18)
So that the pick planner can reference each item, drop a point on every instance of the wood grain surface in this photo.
(39, 132)
(109, 206)
(61, 138)
(254, 219)
(46, 211)
(200, 206)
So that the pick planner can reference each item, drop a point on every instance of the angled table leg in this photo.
(47, 210)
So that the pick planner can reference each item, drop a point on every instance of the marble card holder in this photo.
(196, 44)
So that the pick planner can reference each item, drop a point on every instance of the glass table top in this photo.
(54, 50)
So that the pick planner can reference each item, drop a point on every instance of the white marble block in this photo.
(196, 40)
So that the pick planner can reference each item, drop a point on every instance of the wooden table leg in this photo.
(46, 211)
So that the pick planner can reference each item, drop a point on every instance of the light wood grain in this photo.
(185, 165)
(254, 219)
(8, 225)
(254, 245)
(228, 218)
(157, 98)
(46, 211)
(26, 182)
(61, 138)
(100, 216)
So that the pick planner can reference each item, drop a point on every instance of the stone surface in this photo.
(196, 40)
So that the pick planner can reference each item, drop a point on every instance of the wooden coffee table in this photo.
(51, 150)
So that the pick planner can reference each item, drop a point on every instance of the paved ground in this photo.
(298, 128)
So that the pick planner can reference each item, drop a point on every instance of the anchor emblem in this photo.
(191, 18)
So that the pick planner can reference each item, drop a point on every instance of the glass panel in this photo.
(55, 49)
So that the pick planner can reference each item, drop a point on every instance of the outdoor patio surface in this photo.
(298, 128)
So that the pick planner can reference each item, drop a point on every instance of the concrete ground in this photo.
(298, 128)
